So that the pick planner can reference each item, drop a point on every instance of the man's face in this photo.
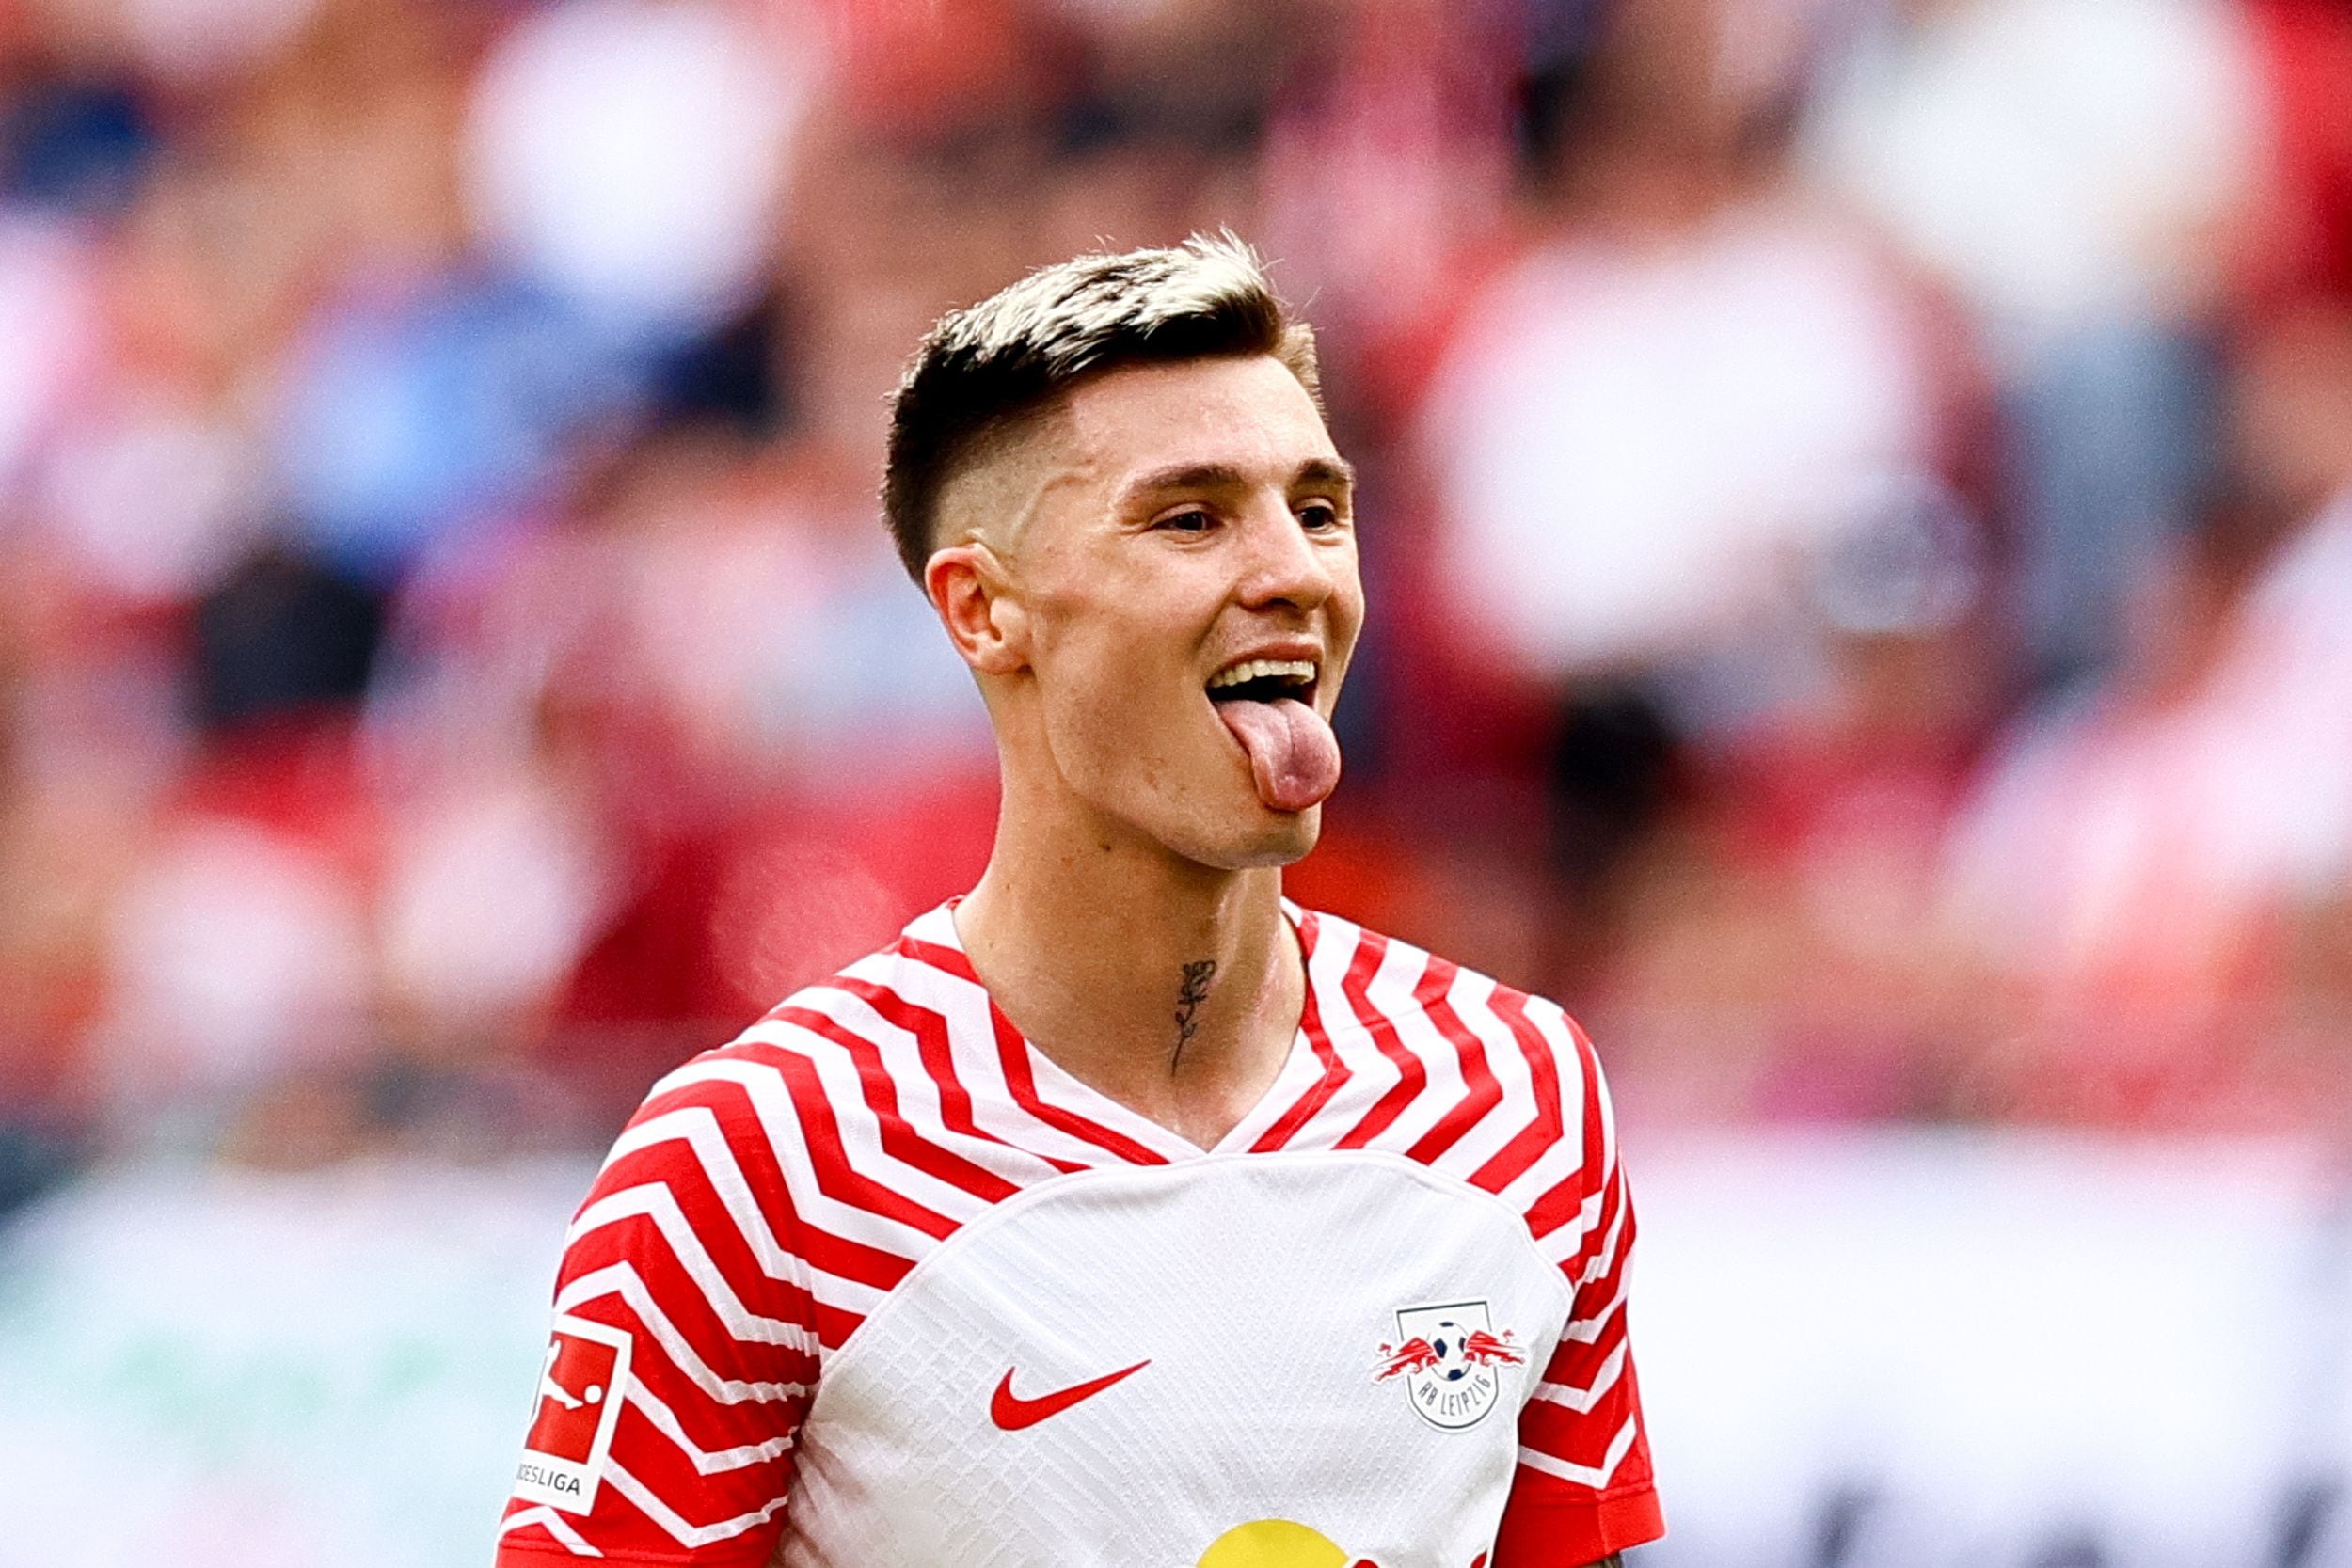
(1184, 525)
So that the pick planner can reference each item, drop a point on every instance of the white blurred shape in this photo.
(1628, 442)
(158, 500)
(632, 154)
(2062, 160)
(343, 1355)
(2161, 837)
(1997, 1341)
(48, 325)
(2286, 691)
(233, 950)
(492, 894)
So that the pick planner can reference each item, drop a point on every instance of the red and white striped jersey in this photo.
(880, 1286)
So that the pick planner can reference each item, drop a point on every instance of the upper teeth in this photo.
(1300, 669)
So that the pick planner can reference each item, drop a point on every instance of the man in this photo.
(1120, 1214)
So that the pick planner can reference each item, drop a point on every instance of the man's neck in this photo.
(1172, 988)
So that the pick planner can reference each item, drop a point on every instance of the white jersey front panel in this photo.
(1259, 1298)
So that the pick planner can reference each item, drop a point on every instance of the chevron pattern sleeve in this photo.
(685, 1344)
(1584, 1488)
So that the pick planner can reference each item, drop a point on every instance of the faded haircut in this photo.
(983, 371)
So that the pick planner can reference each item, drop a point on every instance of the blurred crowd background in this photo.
(1859, 523)
(1858, 516)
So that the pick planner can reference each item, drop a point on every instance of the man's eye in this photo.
(1194, 521)
(1318, 516)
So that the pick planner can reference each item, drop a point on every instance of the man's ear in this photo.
(972, 594)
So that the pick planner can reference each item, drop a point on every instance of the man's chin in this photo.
(1274, 839)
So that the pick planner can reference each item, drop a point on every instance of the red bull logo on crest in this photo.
(1452, 1359)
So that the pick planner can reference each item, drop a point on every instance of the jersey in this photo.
(878, 1285)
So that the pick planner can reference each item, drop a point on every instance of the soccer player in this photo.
(1119, 1214)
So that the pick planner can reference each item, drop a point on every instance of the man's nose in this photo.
(1284, 564)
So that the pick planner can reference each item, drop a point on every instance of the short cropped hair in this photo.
(983, 371)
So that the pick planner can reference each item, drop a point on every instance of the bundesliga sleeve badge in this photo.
(581, 1385)
(1452, 1359)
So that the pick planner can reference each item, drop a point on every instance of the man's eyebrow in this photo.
(1336, 472)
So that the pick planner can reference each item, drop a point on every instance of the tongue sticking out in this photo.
(1294, 756)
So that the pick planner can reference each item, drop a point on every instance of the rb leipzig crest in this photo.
(1450, 1358)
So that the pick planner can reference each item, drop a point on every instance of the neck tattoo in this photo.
(1189, 995)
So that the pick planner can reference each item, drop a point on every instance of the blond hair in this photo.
(984, 370)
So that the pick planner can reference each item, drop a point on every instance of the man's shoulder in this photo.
(909, 987)
(1390, 979)
(1463, 1073)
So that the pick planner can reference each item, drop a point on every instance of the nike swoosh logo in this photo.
(1010, 1412)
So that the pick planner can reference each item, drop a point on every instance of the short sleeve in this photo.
(1584, 1486)
(682, 1354)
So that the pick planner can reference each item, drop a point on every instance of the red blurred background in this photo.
(1860, 572)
